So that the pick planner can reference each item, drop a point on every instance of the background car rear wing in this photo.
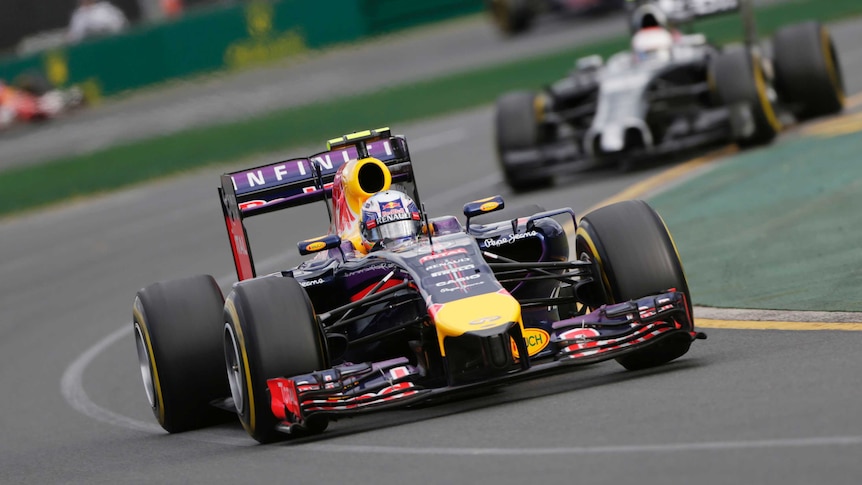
(293, 182)
(680, 11)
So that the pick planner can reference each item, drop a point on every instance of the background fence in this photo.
(232, 36)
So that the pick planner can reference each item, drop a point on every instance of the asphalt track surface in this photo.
(744, 406)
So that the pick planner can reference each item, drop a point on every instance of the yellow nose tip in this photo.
(479, 313)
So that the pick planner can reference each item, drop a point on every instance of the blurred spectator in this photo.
(95, 17)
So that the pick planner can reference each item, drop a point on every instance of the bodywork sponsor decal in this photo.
(442, 254)
(493, 243)
(536, 338)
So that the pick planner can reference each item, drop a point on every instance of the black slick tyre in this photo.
(517, 128)
(807, 70)
(738, 79)
(177, 328)
(271, 330)
(636, 257)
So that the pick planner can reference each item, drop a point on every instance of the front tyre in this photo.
(270, 330)
(636, 257)
(177, 329)
(517, 128)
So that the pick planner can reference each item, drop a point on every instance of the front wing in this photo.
(606, 333)
(564, 156)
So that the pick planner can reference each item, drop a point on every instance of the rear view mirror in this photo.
(318, 244)
(483, 206)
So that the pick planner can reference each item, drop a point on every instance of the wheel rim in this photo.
(144, 364)
(233, 364)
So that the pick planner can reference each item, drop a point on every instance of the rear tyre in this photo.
(511, 17)
(636, 257)
(738, 79)
(807, 70)
(517, 128)
(271, 330)
(177, 329)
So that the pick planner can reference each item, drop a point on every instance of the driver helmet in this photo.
(652, 43)
(389, 218)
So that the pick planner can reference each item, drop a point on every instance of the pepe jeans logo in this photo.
(493, 243)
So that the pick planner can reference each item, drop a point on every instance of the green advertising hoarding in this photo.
(233, 37)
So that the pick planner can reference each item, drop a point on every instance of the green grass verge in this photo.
(784, 248)
(124, 165)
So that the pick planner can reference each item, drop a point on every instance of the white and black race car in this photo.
(672, 92)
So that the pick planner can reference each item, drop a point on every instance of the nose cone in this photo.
(612, 139)
(620, 137)
(482, 315)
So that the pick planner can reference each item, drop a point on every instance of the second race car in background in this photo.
(667, 95)
(513, 17)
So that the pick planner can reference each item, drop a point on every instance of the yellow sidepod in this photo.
(477, 314)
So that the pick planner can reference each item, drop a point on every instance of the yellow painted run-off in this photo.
(768, 325)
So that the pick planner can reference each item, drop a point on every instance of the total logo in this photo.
(493, 243)
(315, 246)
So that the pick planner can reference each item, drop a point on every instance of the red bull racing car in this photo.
(393, 307)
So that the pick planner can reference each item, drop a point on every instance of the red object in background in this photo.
(172, 8)
(24, 105)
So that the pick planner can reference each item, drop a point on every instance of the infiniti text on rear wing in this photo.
(293, 182)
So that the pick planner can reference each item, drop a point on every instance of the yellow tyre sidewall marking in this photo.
(830, 64)
(157, 386)
(237, 327)
(587, 239)
(765, 104)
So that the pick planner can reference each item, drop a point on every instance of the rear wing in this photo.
(300, 181)
(682, 11)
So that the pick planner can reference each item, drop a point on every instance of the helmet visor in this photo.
(398, 230)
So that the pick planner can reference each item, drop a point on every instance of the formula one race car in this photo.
(29, 102)
(670, 94)
(394, 307)
(516, 16)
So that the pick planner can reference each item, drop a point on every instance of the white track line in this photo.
(593, 450)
